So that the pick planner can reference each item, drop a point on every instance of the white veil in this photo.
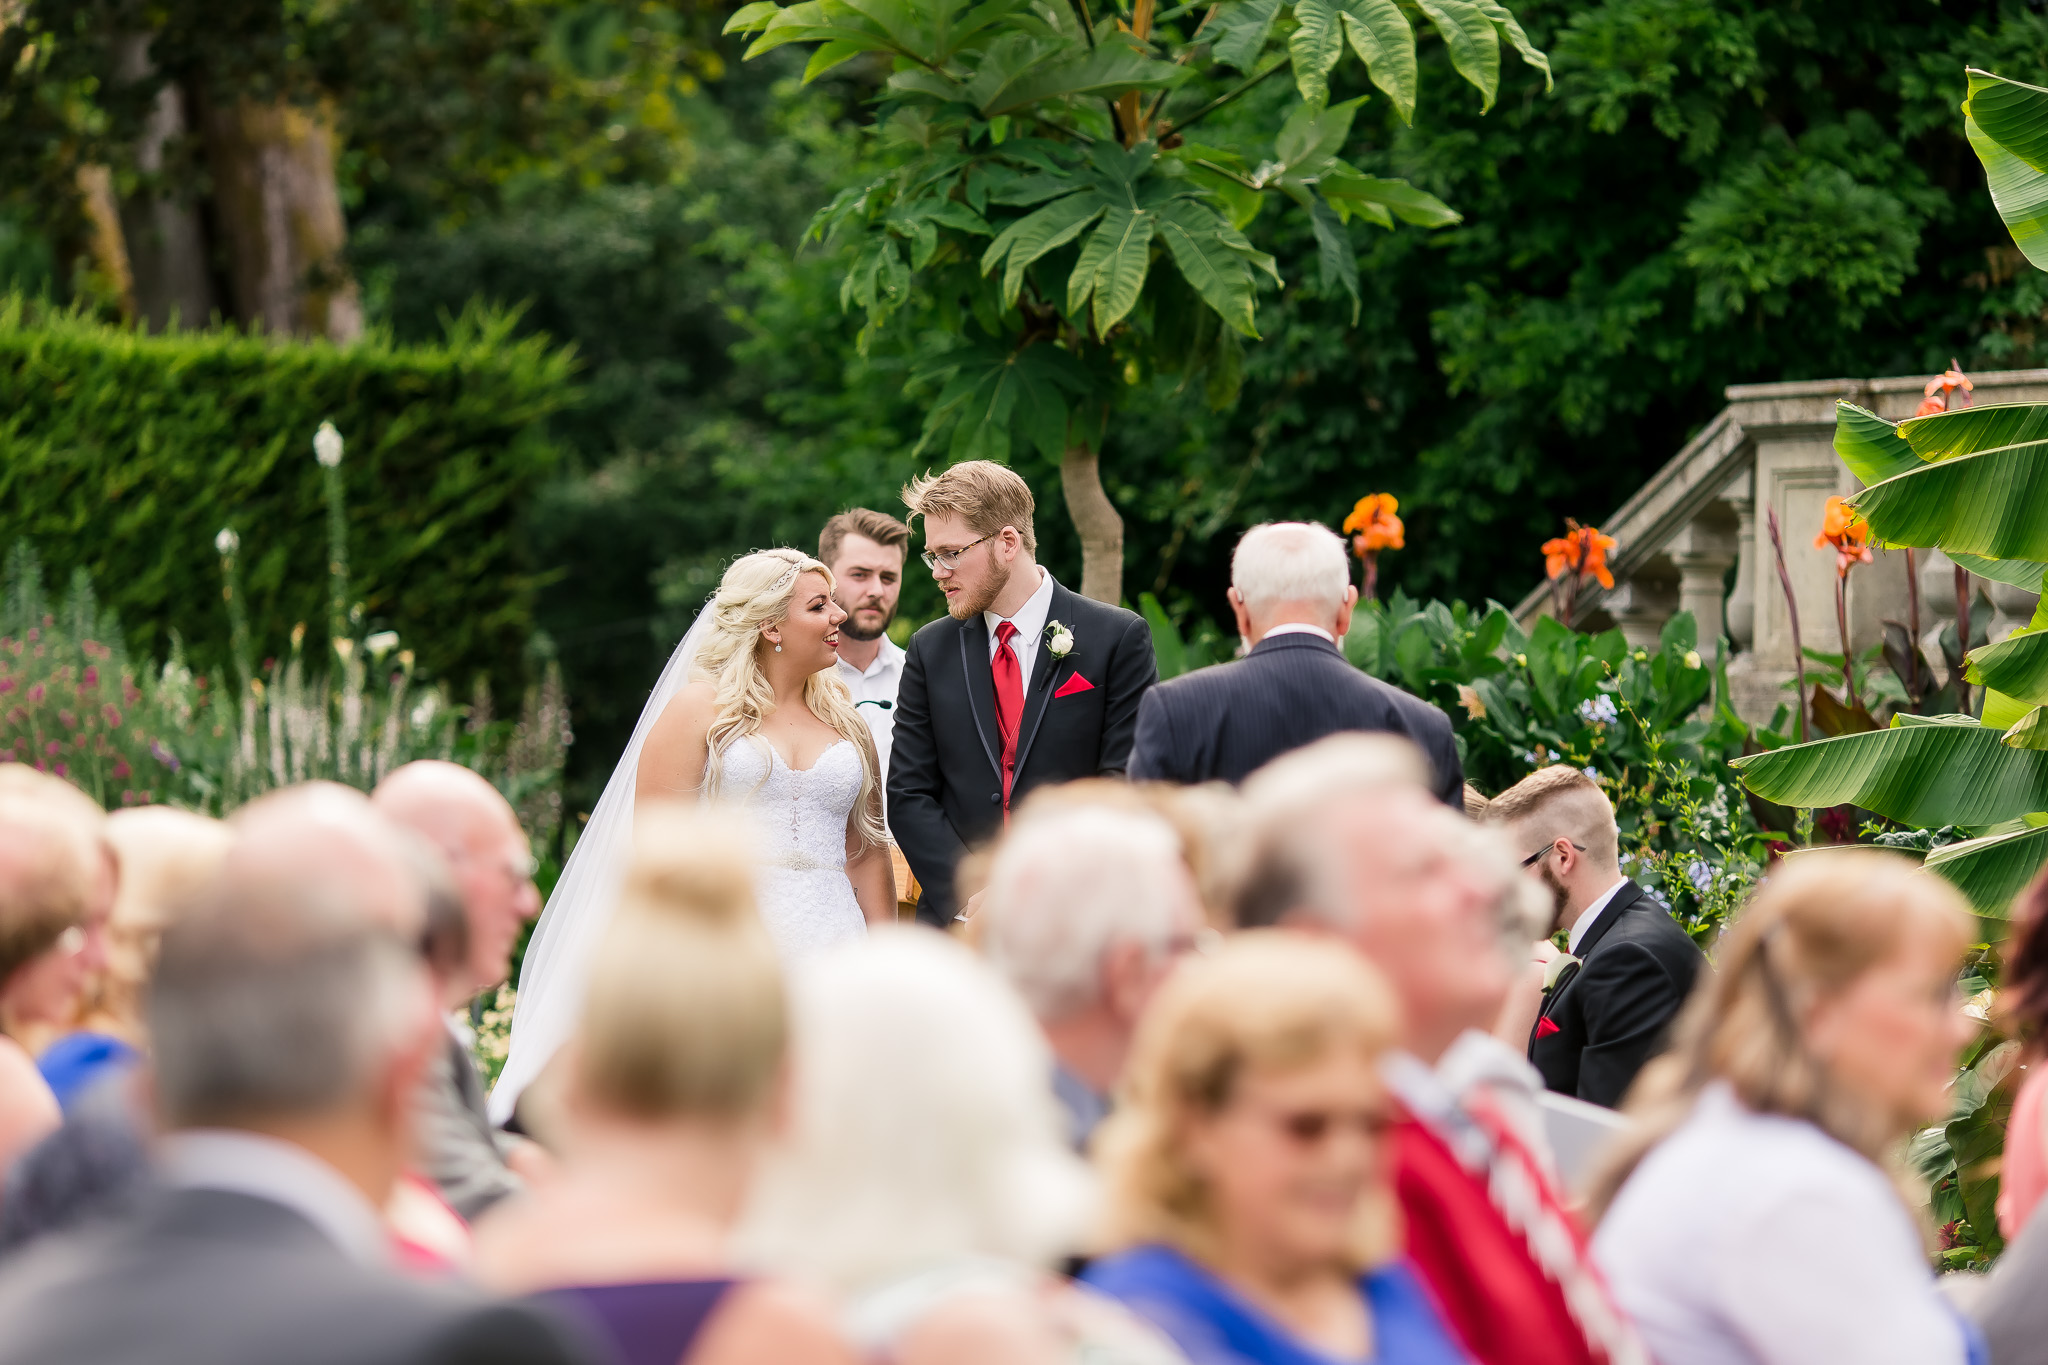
(551, 980)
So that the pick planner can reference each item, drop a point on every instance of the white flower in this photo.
(1539, 757)
(1692, 658)
(327, 446)
(1598, 710)
(226, 542)
(1059, 641)
(382, 643)
(1555, 968)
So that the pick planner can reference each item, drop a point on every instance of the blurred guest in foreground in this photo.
(2023, 998)
(1347, 848)
(1611, 1009)
(924, 1179)
(290, 1019)
(672, 1089)
(164, 857)
(474, 829)
(1828, 1035)
(1248, 1175)
(57, 881)
(1087, 909)
(1290, 587)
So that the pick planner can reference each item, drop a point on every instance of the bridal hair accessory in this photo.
(1059, 641)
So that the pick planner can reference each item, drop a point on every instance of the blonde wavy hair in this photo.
(1266, 1000)
(756, 593)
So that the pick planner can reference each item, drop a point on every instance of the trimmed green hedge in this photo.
(124, 454)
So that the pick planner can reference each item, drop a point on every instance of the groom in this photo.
(1022, 683)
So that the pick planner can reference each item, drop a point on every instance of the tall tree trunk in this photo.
(278, 210)
(104, 244)
(166, 240)
(1100, 527)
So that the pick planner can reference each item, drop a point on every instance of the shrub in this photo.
(123, 454)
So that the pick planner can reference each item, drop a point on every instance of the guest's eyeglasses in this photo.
(1537, 856)
(948, 559)
(1311, 1127)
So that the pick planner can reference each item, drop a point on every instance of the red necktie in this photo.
(1009, 702)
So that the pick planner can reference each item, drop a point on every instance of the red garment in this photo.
(1009, 702)
(1494, 1295)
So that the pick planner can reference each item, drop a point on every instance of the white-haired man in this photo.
(1087, 908)
(1290, 589)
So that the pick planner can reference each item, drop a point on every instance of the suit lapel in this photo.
(1043, 684)
(981, 685)
(1624, 900)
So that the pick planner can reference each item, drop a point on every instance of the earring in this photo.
(778, 649)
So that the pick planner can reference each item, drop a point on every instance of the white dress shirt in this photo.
(871, 686)
(280, 1172)
(1756, 1239)
(1298, 628)
(1030, 624)
(1589, 914)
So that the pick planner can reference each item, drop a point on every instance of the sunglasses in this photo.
(1533, 858)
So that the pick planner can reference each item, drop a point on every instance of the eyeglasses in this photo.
(947, 559)
(1533, 858)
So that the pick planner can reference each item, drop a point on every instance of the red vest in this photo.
(1494, 1295)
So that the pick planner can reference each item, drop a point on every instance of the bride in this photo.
(749, 711)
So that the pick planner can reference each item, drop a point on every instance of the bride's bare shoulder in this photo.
(688, 711)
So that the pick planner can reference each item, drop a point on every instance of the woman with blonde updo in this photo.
(1755, 1217)
(749, 712)
(666, 1101)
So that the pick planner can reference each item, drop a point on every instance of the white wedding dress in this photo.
(800, 884)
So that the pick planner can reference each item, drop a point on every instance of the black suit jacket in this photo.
(205, 1277)
(1227, 721)
(945, 779)
(1613, 1011)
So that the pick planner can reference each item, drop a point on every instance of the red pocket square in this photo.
(1077, 683)
(1547, 1026)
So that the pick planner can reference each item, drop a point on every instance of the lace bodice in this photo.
(802, 813)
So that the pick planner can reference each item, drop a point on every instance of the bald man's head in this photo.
(463, 816)
(327, 836)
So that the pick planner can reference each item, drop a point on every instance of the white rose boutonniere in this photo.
(1059, 641)
(1555, 968)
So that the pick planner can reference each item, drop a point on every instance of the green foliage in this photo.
(124, 454)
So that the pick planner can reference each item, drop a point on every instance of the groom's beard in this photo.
(1560, 894)
(969, 603)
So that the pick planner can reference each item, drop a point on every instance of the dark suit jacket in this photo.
(1613, 1011)
(945, 778)
(205, 1277)
(1229, 720)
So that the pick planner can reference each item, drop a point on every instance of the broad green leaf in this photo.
(2012, 114)
(1991, 504)
(1217, 271)
(1111, 68)
(2021, 573)
(1966, 431)
(1312, 136)
(905, 23)
(1509, 25)
(1033, 189)
(1242, 30)
(1406, 202)
(1384, 40)
(918, 81)
(827, 56)
(1112, 267)
(1938, 771)
(2001, 712)
(2018, 191)
(1473, 42)
(1992, 871)
(2017, 667)
(1031, 236)
(1169, 651)
(1315, 45)
(1334, 252)
(2031, 732)
(1871, 446)
(747, 18)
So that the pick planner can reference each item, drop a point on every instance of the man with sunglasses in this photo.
(1022, 684)
(1610, 1010)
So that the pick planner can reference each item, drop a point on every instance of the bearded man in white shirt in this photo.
(864, 549)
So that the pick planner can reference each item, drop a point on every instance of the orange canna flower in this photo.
(1584, 547)
(1847, 532)
(1941, 392)
(1376, 526)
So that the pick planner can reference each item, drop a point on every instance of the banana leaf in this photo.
(2017, 667)
(1966, 431)
(1993, 870)
(1871, 446)
(1992, 503)
(2021, 573)
(2005, 123)
(1928, 772)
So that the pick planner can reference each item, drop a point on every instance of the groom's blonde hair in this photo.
(985, 495)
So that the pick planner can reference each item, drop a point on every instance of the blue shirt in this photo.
(74, 1062)
(1214, 1325)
